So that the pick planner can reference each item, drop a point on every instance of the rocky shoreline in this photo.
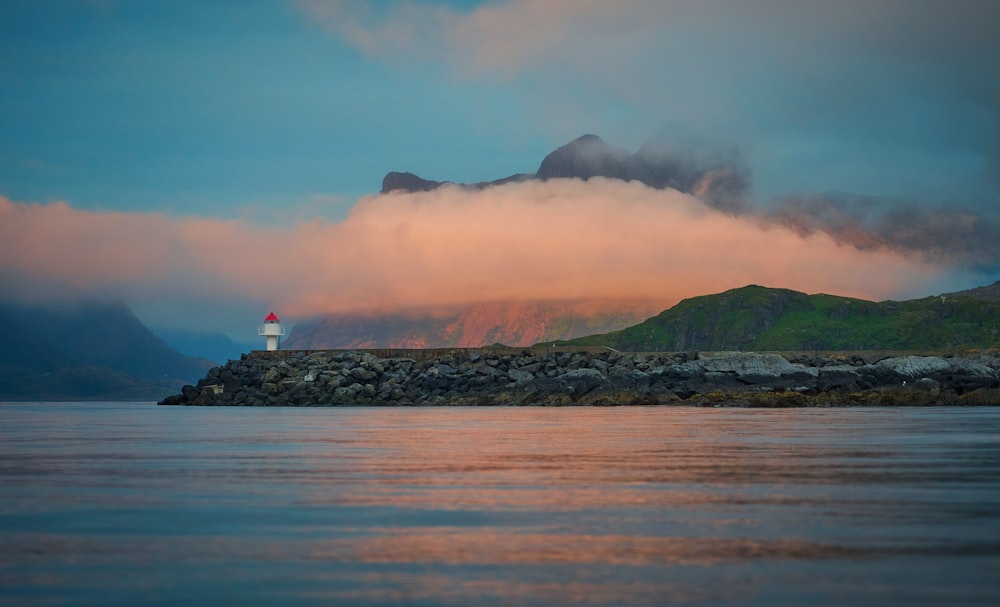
(509, 377)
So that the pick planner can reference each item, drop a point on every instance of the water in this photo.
(126, 504)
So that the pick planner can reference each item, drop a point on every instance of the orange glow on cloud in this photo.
(560, 240)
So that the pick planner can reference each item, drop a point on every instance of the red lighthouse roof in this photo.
(271, 318)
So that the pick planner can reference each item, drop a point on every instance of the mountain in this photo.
(716, 177)
(513, 324)
(217, 347)
(762, 319)
(87, 350)
(407, 182)
(589, 156)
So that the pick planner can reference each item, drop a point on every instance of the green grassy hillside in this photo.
(759, 318)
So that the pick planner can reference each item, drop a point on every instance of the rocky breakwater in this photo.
(328, 378)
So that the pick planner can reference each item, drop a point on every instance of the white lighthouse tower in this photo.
(272, 330)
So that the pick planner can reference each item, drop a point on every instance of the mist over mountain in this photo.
(718, 177)
(954, 232)
(968, 234)
(87, 350)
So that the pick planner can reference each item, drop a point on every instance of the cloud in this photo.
(559, 240)
(521, 34)
(947, 234)
(503, 37)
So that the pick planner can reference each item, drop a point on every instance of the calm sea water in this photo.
(133, 504)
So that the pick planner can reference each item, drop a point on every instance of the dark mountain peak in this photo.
(717, 176)
(588, 156)
(407, 182)
(515, 178)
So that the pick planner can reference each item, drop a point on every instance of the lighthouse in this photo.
(272, 330)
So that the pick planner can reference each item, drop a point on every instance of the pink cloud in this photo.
(561, 240)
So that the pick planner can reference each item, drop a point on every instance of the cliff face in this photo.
(513, 324)
(504, 376)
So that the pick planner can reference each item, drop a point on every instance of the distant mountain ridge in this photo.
(87, 350)
(749, 318)
(214, 346)
(761, 319)
(717, 178)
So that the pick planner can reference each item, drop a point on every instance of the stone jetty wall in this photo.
(507, 376)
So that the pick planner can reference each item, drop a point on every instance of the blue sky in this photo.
(209, 107)
(279, 112)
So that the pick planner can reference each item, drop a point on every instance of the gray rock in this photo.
(927, 384)
(605, 378)
(751, 366)
(914, 366)
(519, 376)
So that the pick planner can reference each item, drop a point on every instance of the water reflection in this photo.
(499, 506)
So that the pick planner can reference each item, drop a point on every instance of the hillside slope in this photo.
(760, 318)
(91, 350)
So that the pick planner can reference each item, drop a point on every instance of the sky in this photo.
(209, 161)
